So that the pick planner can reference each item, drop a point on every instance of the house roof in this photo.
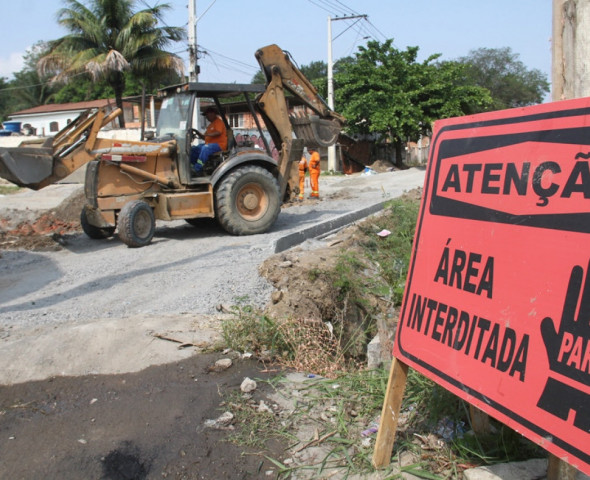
(65, 107)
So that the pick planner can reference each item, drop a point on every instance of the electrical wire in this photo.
(222, 61)
(364, 29)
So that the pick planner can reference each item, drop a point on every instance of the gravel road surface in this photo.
(108, 292)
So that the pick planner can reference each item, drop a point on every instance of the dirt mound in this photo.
(311, 286)
(381, 166)
(25, 230)
(295, 274)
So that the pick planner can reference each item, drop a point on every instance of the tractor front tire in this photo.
(137, 224)
(247, 201)
(94, 232)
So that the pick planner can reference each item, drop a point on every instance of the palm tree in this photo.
(108, 38)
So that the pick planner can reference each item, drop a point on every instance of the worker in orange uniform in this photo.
(314, 172)
(215, 137)
(302, 170)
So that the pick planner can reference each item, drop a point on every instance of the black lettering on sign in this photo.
(546, 180)
(494, 344)
(466, 271)
(568, 350)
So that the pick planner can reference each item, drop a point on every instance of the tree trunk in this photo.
(118, 84)
(398, 153)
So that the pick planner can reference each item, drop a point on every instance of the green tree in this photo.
(82, 90)
(387, 92)
(4, 99)
(108, 38)
(509, 81)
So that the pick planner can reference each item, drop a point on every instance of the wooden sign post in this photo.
(497, 303)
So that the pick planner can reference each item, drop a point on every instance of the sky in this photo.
(230, 31)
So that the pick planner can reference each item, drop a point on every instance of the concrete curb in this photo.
(295, 238)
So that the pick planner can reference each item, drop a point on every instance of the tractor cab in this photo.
(180, 113)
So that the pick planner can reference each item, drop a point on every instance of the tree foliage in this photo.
(510, 83)
(389, 93)
(4, 98)
(108, 38)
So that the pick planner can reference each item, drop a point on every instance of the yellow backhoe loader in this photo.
(130, 184)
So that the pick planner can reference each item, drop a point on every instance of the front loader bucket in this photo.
(26, 166)
(315, 131)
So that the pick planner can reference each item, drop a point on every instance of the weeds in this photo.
(248, 330)
(302, 344)
(256, 427)
(8, 189)
(393, 252)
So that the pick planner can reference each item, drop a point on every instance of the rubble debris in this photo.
(223, 422)
(248, 385)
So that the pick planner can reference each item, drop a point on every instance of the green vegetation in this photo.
(8, 189)
(510, 83)
(248, 330)
(387, 92)
(256, 427)
(393, 252)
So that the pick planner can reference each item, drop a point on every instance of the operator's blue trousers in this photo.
(201, 153)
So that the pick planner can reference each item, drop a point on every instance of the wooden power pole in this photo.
(570, 79)
(570, 75)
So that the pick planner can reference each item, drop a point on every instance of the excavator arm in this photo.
(320, 129)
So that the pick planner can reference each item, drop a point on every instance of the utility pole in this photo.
(332, 149)
(570, 72)
(192, 41)
(192, 58)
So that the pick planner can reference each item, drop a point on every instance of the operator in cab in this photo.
(215, 137)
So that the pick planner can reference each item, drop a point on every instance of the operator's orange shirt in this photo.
(217, 126)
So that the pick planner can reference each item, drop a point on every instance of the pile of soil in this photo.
(47, 232)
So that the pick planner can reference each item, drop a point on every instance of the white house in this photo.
(47, 120)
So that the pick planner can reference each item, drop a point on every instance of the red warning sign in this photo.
(497, 302)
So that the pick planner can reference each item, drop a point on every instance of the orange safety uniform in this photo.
(314, 174)
(216, 126)
(302, 169)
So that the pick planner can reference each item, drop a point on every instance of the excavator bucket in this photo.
(26, 166)
(316, 131)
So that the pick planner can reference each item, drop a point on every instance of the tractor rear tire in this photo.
(94, 232)
(137, 224)
(247, 201)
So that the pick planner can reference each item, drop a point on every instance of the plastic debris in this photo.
(369, 171)
(384, 233)
(448, 429)
(372, 429)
